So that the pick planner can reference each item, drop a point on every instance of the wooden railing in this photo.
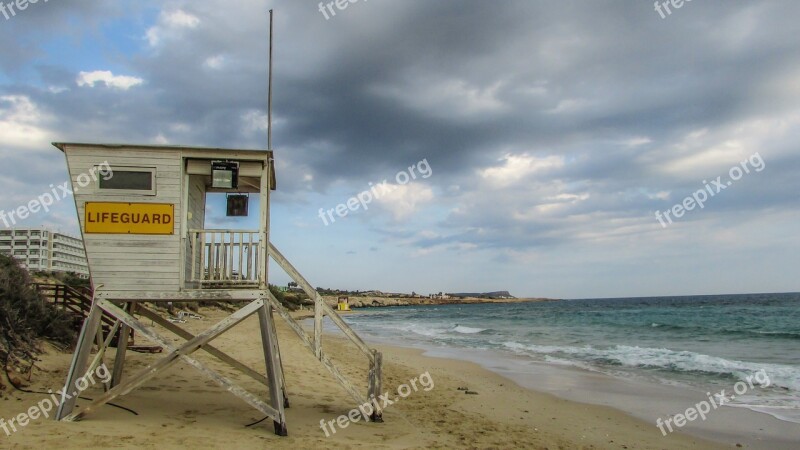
(225, 257)
(77, 301)
(314, 343)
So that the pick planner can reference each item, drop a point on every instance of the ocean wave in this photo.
(727, 331)
(780, 376)
(429, 330)
(468, 330)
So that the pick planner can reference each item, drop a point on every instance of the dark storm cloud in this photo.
(610, 87)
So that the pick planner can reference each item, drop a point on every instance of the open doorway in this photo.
(226, 226)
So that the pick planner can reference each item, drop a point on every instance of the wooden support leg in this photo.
(280, 361)
(318, 316)
(375, 385)
(269, 340)
(99, 339)
(122, 349)
(80, 359)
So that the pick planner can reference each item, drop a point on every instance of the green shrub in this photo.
(25, 316)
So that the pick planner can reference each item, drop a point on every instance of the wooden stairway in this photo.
(76, 302)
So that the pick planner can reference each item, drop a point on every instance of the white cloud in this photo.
(403, 200)
(21, 121)
(169, 24)
(255, 120)
(215, 62)
(660, 195)
(123, 82)
(705, 153)
(180, 19)
(517, 167)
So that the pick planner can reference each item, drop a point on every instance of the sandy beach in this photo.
(183, 409)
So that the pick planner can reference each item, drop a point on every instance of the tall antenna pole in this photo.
(269, 102)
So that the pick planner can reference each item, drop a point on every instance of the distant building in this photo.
(42, 249)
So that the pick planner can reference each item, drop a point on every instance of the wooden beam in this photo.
(291, 322)
(319, 303)
(99, 358)
(186, 296)
(319, 315)
(218, 378)
(337, 319)
(175, 354)
(122, 348)
(235, 389)
(376, 385)
(323, 358)
(79, 360)
(210, 349)
(276, 392)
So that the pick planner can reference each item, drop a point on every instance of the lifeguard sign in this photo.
(129, 218)
(144, 232)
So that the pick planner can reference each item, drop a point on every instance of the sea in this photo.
(708, 343)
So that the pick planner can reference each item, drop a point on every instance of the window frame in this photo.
(153, 171)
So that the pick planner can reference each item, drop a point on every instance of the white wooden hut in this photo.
(145, 205)
(142, 216)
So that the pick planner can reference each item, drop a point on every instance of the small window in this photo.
(129, 180)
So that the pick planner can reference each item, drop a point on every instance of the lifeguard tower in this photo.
(142, 216)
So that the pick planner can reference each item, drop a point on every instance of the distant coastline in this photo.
(383, 302)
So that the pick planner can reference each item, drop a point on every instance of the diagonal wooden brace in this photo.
(181, 353)
(323, 357)
(210, 349)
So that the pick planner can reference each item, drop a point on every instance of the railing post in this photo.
(318, 316)
(241, 255)
(193, 261)
(375, 385)
(203, 258)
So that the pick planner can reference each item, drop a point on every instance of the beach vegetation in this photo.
(25, 318)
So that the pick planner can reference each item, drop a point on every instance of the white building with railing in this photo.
(42, 249)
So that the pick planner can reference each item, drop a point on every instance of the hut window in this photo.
(139, 180)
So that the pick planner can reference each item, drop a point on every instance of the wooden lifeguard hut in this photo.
(142, 216)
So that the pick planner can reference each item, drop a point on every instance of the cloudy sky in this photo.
(554, 131)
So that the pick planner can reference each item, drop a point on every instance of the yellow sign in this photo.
(129, 218)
